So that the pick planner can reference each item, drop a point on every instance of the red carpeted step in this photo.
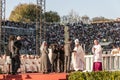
(35, 76)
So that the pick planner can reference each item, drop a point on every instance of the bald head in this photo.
(96, 42)
(18, 38)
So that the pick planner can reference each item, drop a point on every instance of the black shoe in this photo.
(13, 73)
(9, 72)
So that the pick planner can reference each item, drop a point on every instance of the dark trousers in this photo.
(54, 63)
(61, 65)
(15, 64)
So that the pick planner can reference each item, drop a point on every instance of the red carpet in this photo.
(34, 76)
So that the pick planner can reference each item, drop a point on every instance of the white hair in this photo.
(76, 41)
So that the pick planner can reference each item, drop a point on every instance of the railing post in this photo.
(109, 62)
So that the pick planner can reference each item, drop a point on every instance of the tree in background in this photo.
(24, 13)
(27, 13)
(52, 16)
(85, 19)
(72, 17)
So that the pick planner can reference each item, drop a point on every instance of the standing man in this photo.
(67, 49)
(16, 56)
(78, 60)
(11, 51)
(97, 57)
(55, 58)
(61, 58)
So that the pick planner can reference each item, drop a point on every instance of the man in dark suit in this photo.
(55, 58)
(16, 56)
(61, 58)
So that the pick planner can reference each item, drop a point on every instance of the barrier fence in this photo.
(110, 62)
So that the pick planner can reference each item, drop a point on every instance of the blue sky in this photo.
(91, 8)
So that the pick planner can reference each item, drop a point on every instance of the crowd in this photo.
(51, 59)
(29, 63)
(55, 33)
(84, 33)
(104, 32)
(54, 58)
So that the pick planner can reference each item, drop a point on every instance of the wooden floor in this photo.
(34, 76)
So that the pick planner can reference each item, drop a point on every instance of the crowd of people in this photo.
(54, 58)
(28, 64)
(56, 54)
(54, 33)
(51, 59)
(104, 32)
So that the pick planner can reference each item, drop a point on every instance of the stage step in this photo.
(34, 76)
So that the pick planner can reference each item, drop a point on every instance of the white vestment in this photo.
(78, 59)
(97, 50)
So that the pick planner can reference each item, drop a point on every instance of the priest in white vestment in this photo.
(78, 57)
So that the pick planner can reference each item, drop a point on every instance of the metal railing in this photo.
(110, 62)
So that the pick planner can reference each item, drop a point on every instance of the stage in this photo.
(34, 76)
